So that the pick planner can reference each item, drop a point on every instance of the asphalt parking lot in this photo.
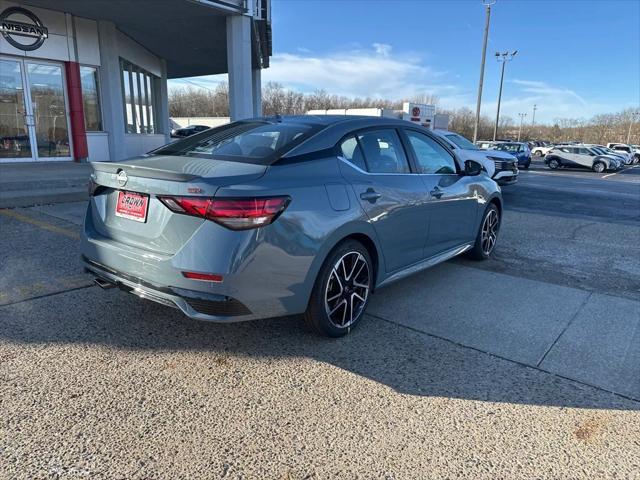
(523, 366)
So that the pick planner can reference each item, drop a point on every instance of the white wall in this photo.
(136, 144)
(98, 145)
(179, 122)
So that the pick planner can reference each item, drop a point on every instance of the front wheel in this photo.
(538, 153)
(599, 167)
(342, 290)
(553, 163)
(487, 235)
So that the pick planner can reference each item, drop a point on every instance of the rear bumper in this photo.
(198, 305)
(265, 273)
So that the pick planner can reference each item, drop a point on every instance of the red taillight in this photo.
(233, 213)
(208, 277)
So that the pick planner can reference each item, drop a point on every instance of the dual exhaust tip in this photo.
(104, 284)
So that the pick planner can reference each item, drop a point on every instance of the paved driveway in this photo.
(526, 365)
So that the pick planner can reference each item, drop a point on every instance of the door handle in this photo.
(370, 195)
(436, 192)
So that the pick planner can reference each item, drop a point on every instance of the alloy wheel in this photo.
(489, 231)
(347, 289)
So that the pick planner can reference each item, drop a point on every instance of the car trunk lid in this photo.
(162, 230)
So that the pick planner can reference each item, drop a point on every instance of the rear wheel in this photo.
(341, 292)
(599, 167)
(487, 235)
(538, 153)
(553, 163)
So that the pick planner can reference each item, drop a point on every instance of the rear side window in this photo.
(352, 152)
(430, 155)
(383, 152)
(249, 142)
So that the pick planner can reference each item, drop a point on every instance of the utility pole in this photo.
(533, 118)
(522, 115)
(633, 117)
(503, 57)
(487, 4)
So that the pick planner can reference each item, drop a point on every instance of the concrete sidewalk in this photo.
(580, 335)
(37, 183)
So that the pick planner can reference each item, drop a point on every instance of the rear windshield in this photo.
(248, 142)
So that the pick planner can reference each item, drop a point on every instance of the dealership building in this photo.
(87, 80)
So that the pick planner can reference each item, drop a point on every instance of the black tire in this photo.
(330, 293)
(527, 165)
(553, 163)
(479, 250)
(538, 153)
(599, 167)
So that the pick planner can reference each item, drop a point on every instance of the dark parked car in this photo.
(188, 131)
(520, 150)
(288, 215)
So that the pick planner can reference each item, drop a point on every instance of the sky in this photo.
(576, 58)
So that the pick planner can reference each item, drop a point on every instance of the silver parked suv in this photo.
(581, 156)
(286, 215)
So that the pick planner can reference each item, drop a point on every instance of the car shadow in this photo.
(407, 361)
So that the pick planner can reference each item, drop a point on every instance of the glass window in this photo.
(430, 155)
(246, 142)
(91, 99)
(138, 99)
(352, 152)
(383, 152)
(461, 142)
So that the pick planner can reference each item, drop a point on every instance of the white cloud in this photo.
(553, 102)
(382, 49)
(370, 72)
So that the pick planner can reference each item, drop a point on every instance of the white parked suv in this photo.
(581, 156)
(501, 166)
(541, 151)
(632, 155)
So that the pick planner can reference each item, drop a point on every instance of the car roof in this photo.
(333, 128)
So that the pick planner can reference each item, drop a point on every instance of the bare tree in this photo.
(277, 99)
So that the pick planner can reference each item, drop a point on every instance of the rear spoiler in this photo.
(144, 172)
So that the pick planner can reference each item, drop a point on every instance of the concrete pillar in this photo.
(162, 102)
(256, 85)
(240, 68)
(111, 89)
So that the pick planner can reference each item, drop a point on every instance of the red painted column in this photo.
(76, 111)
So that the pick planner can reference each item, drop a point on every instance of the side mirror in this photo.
(472, 168)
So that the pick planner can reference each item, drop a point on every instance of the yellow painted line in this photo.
(21, 293)
(40, 223)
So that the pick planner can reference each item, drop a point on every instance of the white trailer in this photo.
(419, 113)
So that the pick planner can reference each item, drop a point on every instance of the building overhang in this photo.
(191, 35)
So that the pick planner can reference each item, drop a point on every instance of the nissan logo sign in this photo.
(18, 32)
(122, 178)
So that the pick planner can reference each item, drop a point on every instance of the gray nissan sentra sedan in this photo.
(286, 215)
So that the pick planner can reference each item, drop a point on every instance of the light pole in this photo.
(521, 115)
(487, 4)
(503, 57)
(533, 118)
(633, 117)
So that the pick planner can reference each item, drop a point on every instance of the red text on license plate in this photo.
(132, 206)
